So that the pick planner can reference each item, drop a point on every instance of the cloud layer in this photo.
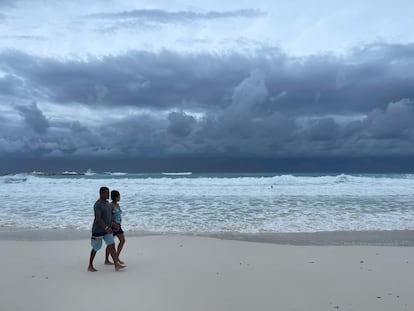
(170, 104)
(179, 79)
(167, 17)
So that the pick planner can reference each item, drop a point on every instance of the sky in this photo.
(147, 85)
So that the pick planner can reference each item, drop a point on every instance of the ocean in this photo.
(212, 203)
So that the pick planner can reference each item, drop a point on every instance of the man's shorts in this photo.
(96, 241)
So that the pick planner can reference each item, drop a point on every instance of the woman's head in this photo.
(115, 195)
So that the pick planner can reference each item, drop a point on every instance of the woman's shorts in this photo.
(119, 231)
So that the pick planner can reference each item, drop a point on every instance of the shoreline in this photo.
(324, 238)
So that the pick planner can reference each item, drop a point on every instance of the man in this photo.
(102, 230)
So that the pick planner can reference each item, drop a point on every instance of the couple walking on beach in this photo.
(106, 225)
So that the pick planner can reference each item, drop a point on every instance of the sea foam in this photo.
(212, 203)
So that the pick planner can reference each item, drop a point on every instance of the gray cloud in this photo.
(34, 118)
(149, 19)
(396, 121)
(12, 86)
(323, 129)
(167, 17)
(217, 105)
(9, 3)
(22, 37)
(180, 123)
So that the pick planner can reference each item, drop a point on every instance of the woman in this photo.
(117, 230)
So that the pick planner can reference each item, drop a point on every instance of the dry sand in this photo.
(174, 272)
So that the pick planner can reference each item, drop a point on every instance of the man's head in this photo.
(104, 193)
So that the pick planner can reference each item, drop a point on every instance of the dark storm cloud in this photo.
(12, 85)
(167, 17)
(34, 118)
(267, 104)
(396, 121)
(141, 79)
(370, 78)
(180, 123)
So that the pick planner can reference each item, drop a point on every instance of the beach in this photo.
(189, 272)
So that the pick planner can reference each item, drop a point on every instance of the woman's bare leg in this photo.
(121, 238)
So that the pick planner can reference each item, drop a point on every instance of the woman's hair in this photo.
(114, 195)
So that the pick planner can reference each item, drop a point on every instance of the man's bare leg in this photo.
(91, 268)
(107, 262)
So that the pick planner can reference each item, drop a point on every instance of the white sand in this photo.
(194, 273)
